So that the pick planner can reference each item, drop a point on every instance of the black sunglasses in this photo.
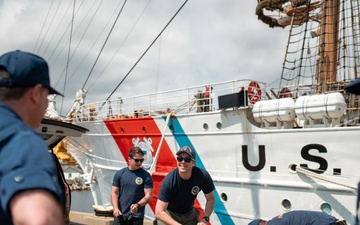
(138, 160)
(186, 159)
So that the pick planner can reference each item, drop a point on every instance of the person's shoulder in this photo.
(201, 174)
(170, 179)
(11, 121)
(121, 171)
(23, 132)
(172, 174)
(145, 172)
(200, 171)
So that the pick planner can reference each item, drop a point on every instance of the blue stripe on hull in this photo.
(183, 140)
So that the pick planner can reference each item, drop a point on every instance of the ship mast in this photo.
(328, 45)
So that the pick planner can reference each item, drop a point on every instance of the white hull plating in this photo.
(254, 168)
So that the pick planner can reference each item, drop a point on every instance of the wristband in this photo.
(138, 205)
(206, 218)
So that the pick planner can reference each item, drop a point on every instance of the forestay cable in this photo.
(157, 37)
(102, 48)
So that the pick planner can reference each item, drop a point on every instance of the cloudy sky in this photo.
(208, 41)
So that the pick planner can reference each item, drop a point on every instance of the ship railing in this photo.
(298, 90)
(195, 99)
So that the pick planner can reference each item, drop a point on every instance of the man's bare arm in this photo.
(36, 207)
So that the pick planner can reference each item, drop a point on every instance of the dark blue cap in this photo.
(187, 150)
(25, 70)
(255, 222)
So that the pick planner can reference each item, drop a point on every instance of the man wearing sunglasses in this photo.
(179, 189)
(132, 189)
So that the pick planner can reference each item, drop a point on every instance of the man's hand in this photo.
(117, 212)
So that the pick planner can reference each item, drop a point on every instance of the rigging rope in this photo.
(68, 55)
(42, 28)
(102, 48)
(50, 25)
(82, 37)
(153, 165)
(92, 46)
(60, 39)
(311, 174)
(54, 33)
(143, 55)
(120, 46)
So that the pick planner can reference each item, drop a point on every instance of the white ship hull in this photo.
(253, 165)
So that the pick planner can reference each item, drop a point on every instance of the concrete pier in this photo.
(81, 218)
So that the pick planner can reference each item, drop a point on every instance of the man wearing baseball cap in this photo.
(179, 189)
(29, 188)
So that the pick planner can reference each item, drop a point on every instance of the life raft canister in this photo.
(254, 92)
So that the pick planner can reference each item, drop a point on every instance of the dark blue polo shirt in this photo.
(180, 194)
(300, 217)
(131, 184)
(25, 162)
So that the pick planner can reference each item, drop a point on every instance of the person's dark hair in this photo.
(135, 150)
(7, 93)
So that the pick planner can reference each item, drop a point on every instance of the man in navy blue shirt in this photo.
(301, 217)
(132, 189)
(29, 188)
(179, 189)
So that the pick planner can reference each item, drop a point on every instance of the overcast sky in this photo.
(208, 41)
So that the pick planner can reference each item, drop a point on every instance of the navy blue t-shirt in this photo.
(131, 184)
(181, 194)
(25, 162)
(300, 217)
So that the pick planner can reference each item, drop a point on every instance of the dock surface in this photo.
(81, 218)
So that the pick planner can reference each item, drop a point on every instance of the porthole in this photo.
(144, 129)
(219, 125)
(171, 127)
(205, 126)
(223, 197)
(122, 130)
(326, 208)
(286, 204)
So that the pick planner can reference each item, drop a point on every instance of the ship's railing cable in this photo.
(187, 103)
(102, 48)
(131, 69)
(311, 174)
(78, 147)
